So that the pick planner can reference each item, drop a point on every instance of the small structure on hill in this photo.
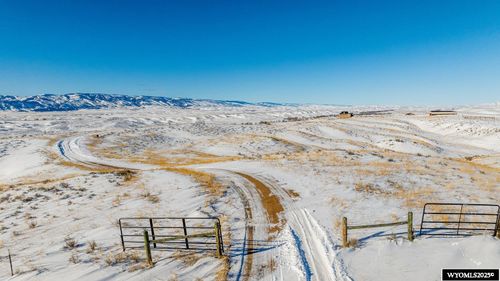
(442, 112)
(345, 114)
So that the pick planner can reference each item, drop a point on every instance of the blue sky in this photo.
(336, 52)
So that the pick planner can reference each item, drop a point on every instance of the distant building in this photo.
(442, 112)
(345, 114)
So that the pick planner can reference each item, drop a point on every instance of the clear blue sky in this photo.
(341, 52)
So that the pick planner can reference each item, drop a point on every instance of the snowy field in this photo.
(279, 178)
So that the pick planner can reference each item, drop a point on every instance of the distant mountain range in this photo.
(76, 101)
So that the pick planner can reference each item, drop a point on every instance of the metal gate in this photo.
(459, 219)
(171, 233)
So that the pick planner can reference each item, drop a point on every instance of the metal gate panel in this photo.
(175, 233)
(459, 219)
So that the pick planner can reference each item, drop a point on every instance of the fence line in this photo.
(346, 227)
(215, 233)
(488, 216)
(166, 230)
(172, 233)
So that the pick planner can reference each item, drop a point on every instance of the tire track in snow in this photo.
(315, 248)
(73, 149)
(254, 262)
(302, 254)
(246, 263)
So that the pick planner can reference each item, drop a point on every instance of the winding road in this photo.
(276, 236)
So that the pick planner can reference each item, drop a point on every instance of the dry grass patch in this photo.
(137, 266)
(370, 188)
(74, 258)
(128, 175)
(91, 246)
(270, 201)
(340, 204)
(292, 193)
(52, 141)
(94, 144)
(95, 169)
(180, 158)
(416, 197)
(207, 180)
(31, 182)
(123, 257)
(70, 243)
(352, 243)
(372, 172)
(150, 197)
(223, 271)
(318, 156)
(187, 258)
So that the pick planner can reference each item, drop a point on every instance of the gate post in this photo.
(121, 234)
(185, 232)
(410, 226)
(460, 218)
(218, 251)
(344, 232)
(147, 248)
(497, 229)
(152, 231)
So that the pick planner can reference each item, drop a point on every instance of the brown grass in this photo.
(95, 169)
(292, 193)
(74, 258)
(53, 140)
(352, 243)
(207, 180)
(128, 176)
(94, 144)
(223, 271)
(92, 246)
(340, 204)
(416, 197)
(151, 197)
(370, 188)
(270, 202)
(137, 266)
(70, 243)
(123, 257)
(318, 156)
(180, 158)
(187, 258)
(37, 182)
(271, 264)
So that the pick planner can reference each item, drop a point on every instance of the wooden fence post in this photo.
(147, 248)
(10, 262)
(217, 239)
(344, 232)
(410, 226)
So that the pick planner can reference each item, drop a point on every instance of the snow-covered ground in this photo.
(280, 178)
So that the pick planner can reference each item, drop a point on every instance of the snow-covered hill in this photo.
(76, 101)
